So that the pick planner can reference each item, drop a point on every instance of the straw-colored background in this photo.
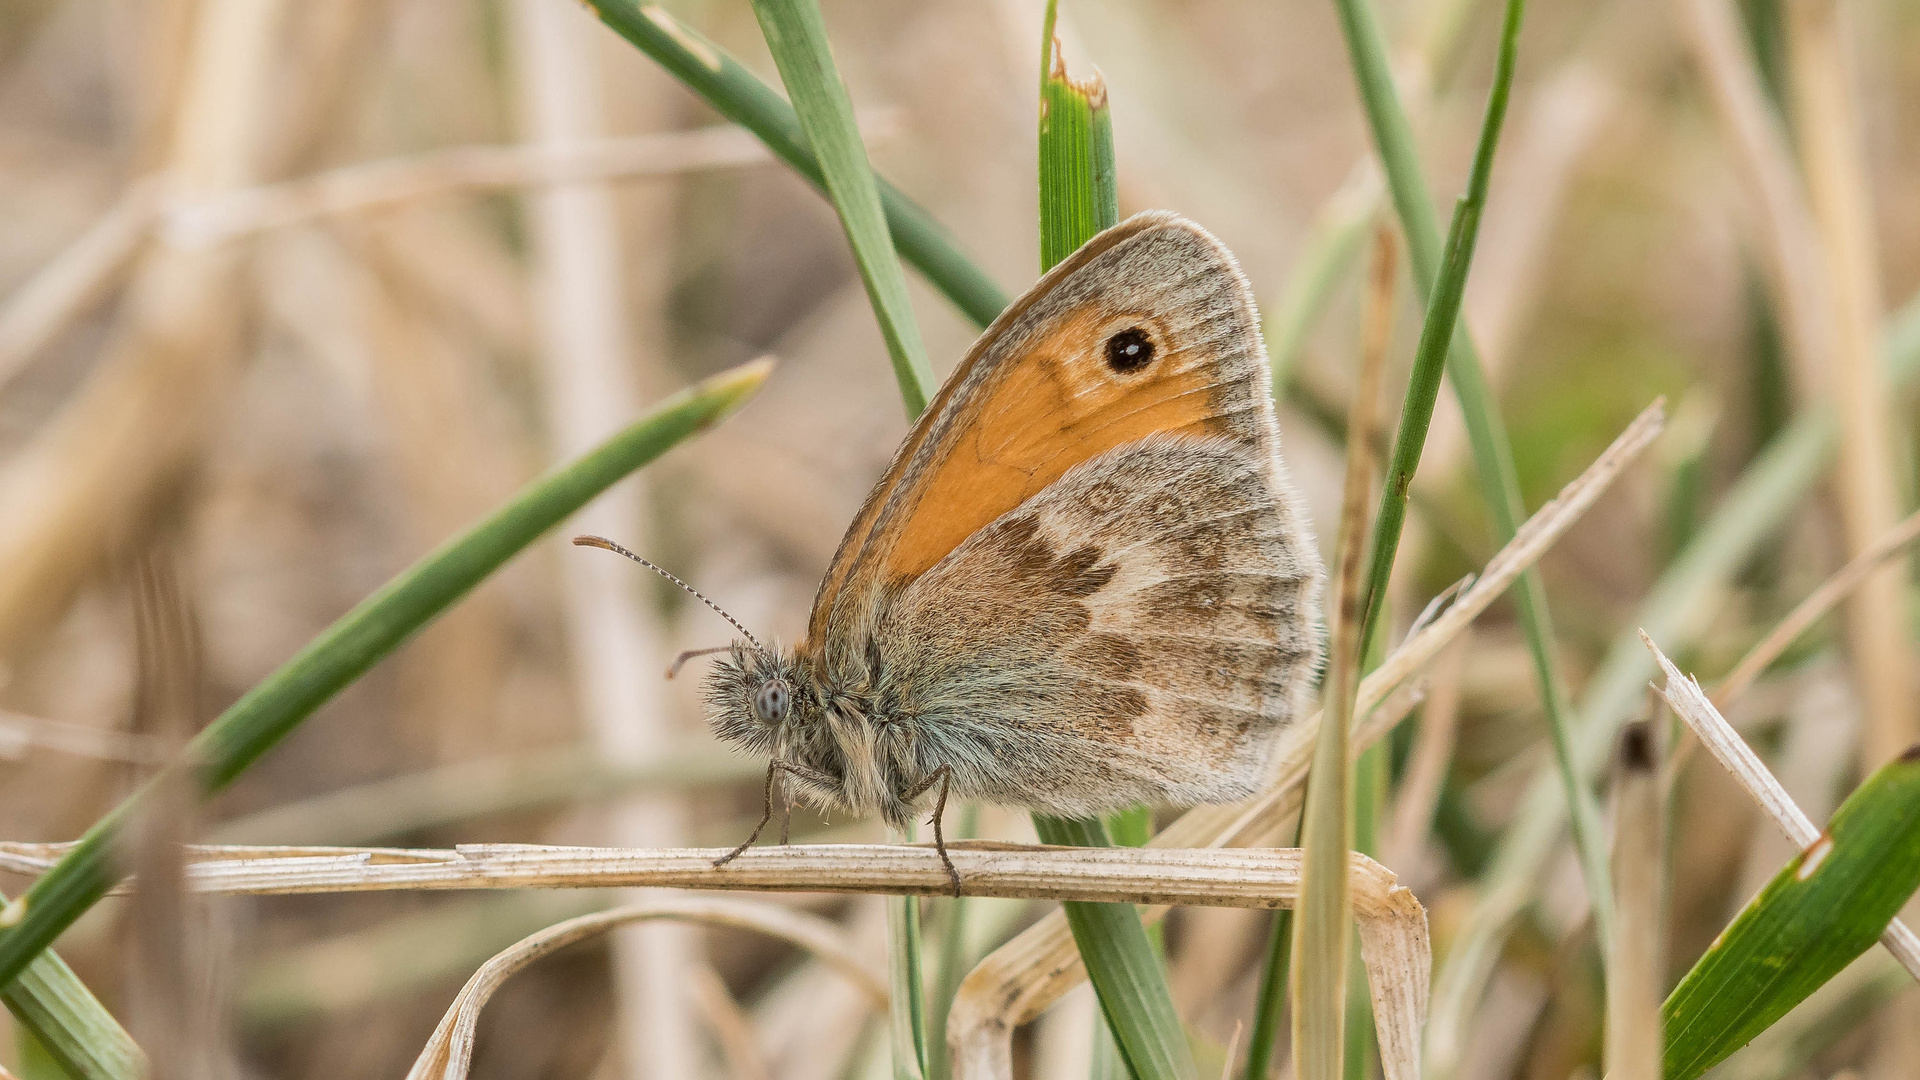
(282, 420)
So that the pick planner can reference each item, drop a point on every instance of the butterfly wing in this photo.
(1084, 578)
(1136, 632)
(1148, 329)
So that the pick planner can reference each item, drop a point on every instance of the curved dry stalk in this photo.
(1686, 698)
(1808, 611)
(1022, 978)
(391, 182)
(450, 1051)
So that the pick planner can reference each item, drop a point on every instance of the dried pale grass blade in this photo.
(1634, 971)
(393, 182)
(730, 1027)
(1808, 611)
(1323, 924)
(76, 279)
(1205, 877)
(1827, 133)
(1686, 698)
(449, 1052)
(1428, 761)
(1016, 983)
(1399, 959)
(20, 733)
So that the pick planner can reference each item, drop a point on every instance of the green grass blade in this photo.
(1269, 1014)
(69, 1023)
(797, 38)
(1826, 907)
(1126, 972)
(740, 96)
(906, 981)
(1486, 433)
(361, 638)
(1077, 200)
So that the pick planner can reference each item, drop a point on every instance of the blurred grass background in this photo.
(289, 418)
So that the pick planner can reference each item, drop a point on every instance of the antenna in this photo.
(608, 545)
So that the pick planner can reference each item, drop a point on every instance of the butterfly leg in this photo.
(766, 815)
(943, 775)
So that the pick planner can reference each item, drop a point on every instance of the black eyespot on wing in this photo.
(1129, 350)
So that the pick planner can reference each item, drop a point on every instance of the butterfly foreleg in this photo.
(943, 776)
(774, 768)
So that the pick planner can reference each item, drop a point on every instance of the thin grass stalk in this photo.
(953, 962)
(1810, 610)
(906, 981)
(1079, 197)
(1325, 922)
(1492, 452)
(1639, 881)
(1270, 1003)
(359, 640)
(1334, 240)
(797, 37)
(1839, 194)
(740, 96)
(589, 344)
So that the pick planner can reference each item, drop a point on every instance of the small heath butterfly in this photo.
(1083, 583)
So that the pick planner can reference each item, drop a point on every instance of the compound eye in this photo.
(770, 704)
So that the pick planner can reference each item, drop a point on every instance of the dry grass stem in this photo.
(1251, 877)
(731, 1028)
(1429, 760)
(77, 279)
(592, 349)
(1635, 971)
(20, 733)
(392, 182)
(1828, 135)
(1686, 698)
(1319, 970)
(1017, 982)
(450, 1051)
(92, 477)
(1810, 610)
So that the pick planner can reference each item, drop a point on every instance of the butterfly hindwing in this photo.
(1134, 633)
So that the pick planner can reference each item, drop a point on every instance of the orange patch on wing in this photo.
(1056, 407)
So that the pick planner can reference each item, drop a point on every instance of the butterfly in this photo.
(1083, 583)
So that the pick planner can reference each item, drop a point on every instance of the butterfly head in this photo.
(755, 694)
